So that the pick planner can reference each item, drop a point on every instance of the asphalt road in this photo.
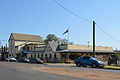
(84, 68)
(16, 73)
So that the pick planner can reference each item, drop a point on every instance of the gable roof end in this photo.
(54, 46)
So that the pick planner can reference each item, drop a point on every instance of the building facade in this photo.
(50, 54)
(18, 41)
(33, 50)
(30, 46)
(61, 53)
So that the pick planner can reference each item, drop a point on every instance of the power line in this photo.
(71, 12)
(107, 33)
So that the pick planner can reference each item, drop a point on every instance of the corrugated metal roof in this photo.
(89, 48)
(84, 51)
(26, 37)
(27, 52)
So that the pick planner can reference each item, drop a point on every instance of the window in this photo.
(63, 55)
(34, 48)
(86, 58)
(38, 55)
(41, 55)
(31, 56)
(24, 48)
(55, 56)
(31, 48)
(12, 55)
(34, 55)
(45, 55)
(50, 56)
(28, 49)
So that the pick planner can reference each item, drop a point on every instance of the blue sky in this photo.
(42, 17)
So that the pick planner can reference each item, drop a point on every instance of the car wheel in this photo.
(94, 65)
(78, 64)
(84, 66)
(101, 67)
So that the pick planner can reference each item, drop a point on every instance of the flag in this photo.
(66, 31)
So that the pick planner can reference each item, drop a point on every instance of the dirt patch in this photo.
(90, 75)
(74, 72)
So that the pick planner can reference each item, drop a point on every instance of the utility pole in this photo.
(88, 43)
(94, 38)
(68, 44)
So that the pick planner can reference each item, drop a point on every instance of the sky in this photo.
(43, 17)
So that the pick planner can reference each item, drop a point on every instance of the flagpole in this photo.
(67, 31)
(68, 43)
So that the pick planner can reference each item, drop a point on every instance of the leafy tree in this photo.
(51, 37)
(71, 43)
(64, 41)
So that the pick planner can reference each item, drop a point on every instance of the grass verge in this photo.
(112, 67)
(106, 67)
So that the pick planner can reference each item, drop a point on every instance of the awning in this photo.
(28, 52)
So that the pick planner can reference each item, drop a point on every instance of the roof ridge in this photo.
(90, 45)
(25, 34)
(26, 37)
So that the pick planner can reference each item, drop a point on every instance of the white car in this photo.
(11, 59)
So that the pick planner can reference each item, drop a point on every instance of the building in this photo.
(61, 53)
(50, 52)
(24, 45)
(75, 51)
(53, 52)
(36, 51)
(18, 41)
(46, 52)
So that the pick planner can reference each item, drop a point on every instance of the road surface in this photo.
(10, 71)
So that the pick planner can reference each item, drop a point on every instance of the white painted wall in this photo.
(11, 47)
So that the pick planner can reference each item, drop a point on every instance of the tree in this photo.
(64, 41)
(51, 37)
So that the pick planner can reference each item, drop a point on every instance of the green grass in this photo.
(112, 67)
(107, 67)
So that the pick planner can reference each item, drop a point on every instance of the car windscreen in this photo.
(93, 58)
(38, 59)
(26, 59)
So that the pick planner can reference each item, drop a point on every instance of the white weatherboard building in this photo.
(30, 46)
(17, 41)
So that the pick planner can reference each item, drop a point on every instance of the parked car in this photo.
(26, 60)
(11, 59)
(0, 59)
(36, 60)
(88, 61)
